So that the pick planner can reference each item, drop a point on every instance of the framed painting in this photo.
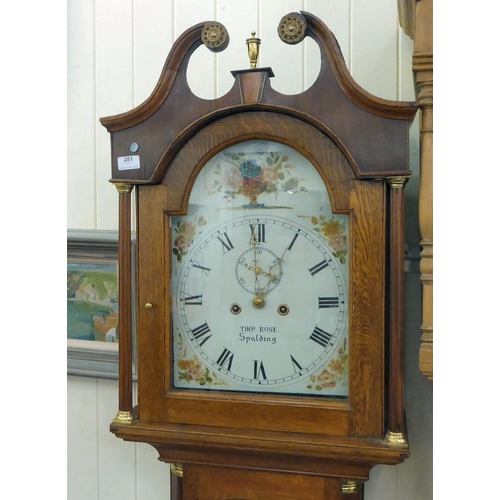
(92, 304)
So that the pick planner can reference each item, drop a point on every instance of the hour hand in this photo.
(258, 271)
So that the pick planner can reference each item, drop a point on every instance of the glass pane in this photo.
(260, 277)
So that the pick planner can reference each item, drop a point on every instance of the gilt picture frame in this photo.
(92, 304)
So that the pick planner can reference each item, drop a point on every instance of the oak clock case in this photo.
(269, 276)
(259, 278)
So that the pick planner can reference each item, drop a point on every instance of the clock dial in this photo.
(260, 293)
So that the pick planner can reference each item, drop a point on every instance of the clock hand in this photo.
(258, 300)
(274, 277)
(255, 268)
(259, 271)
(260, 292)
(273, 274)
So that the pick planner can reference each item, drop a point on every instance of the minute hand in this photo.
(272, 276)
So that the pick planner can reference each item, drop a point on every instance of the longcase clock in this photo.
(269, 277)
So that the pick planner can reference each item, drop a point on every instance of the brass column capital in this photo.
(124, 417)
(350, 486)
(396, 438)
(397, 181)
(177, 470)
(124, 188)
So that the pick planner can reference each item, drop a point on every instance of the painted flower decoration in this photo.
(251, 177)
(338, 243)
(333, 233)
(250, 168)
(270, 175)
(291, 185)
(191, 369)
(331, 228)
(333, 373)
(182, 243)
(326, 379)
(232, 179)
(186, 231)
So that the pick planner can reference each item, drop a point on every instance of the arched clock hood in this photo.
(341, 109)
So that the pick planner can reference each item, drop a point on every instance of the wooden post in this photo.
(124, 415)
(416, 19)
(395, 432)
(426, 230)
(423, 68)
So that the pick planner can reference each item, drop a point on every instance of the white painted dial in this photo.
(260, 275)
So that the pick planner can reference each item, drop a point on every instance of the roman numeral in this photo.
(295, 364)
(226, 245)
(202, 333)
(321, 337)
(293, 241)
(260, 234)
(318, 267)
(226, 358)
(258, 370)
(206, 270)
(192, 300)
(328, 302)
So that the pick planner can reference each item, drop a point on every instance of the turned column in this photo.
(396, 429)
(176, 482)
(124, 305)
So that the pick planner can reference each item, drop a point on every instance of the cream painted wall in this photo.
(116, 50)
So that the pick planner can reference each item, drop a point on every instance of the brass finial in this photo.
(253, 45)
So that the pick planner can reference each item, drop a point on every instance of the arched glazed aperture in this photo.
(331, 159)
(260, 273)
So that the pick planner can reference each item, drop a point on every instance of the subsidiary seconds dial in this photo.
(262, 303)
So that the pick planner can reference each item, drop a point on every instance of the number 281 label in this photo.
(129, 162)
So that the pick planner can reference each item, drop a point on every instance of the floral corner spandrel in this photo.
(334, 373)
(185, 231)
(333, 233)
(192, 370)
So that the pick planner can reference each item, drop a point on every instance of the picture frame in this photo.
(92, 304)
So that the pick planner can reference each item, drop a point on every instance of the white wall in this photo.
(116, 50)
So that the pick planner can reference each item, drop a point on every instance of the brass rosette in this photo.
(292, 28)
(215, 37)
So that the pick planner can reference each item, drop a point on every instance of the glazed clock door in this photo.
(260, 278)
(254, 250)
